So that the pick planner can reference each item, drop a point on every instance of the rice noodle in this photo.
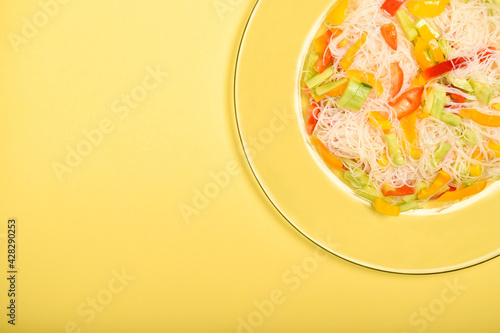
(469, 28)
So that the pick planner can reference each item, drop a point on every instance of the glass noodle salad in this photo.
(403, 99)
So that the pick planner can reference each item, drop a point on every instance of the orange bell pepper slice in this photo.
(408, 124)
(466, 192)
(441, 181)
(327, 156)
(481, 118)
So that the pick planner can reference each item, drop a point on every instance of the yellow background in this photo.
(234, 265)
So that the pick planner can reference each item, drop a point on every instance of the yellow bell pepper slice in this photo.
(421, 48)
(495, 147)
(441, 181)
(408, 124)
(337, 14)
(384, 207)
(349, 57)
(418, 81)
(481, 118)
(427, 8)
(496, 106)
(476, 170)
(343, 43)
(421, 114)
(378, 120)
(426, 33)
(466, 192)
(436, 51)
(383, 161)
(368, 78)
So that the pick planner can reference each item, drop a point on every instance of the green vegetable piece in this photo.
(394, 149)
(440, 153)
(408, 206)
(420, 23)
(321, 90)
(460, 83)
(355, 95)
(368, 192)
(315, 95)
(436, 101)
(358, 179)
(311, 60)
(320, 78)
(451, 119)
(444, 44)
(470, 137)
(409, 198)
(407, 25)
(483, 91)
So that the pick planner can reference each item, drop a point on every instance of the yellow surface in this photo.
(235, 265)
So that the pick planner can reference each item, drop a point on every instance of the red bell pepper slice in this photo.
(444, 67)
(397, 78)
(390, 7)
(448, 66)
(326, 58)
(312, 117)
(458, 98)
(390, 191)
(408, 102)
(390, 35)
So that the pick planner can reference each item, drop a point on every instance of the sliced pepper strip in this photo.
(467, 192)
(481, 118)
(391, 191)
(441, 181)
(423, 60)
(495, 147)
(327, 156)
(378, 120)
(349, 57)
(408, 124)
(390, 7)
(448, 66)
(337, 14)
(386, 208)
(476, 170)
(436, 51)
(428, 8)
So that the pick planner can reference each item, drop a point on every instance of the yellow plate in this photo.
(303, 190)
